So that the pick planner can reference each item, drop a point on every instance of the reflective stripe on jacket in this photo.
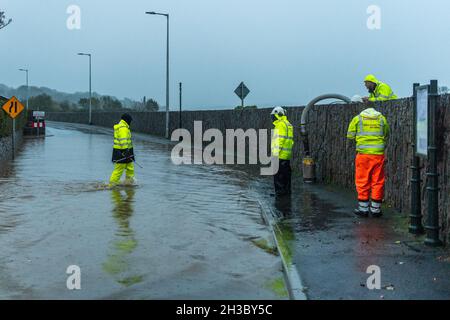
(123, 145)
(282, 139)
(370, 129)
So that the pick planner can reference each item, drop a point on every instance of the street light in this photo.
(28, 90)
(167, 69)
(90, 84)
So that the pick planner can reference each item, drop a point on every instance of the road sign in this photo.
(13, 107)
(421, 115)
(39, 114)
(242, 91)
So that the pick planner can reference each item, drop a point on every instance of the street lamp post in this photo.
(167, 70)
(90, 84)
(28, 88)
(181, 104)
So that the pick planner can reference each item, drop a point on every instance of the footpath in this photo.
(331, 249)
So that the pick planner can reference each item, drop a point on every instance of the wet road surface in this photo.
(182, 232)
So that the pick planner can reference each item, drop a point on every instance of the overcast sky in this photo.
(286, 51)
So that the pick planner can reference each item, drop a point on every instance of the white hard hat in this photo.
(279, 111)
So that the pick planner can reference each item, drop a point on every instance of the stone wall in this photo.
(327, 127)
(6, 146)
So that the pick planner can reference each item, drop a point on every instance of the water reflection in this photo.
(118, 263)
(371, 235)
(283, 204)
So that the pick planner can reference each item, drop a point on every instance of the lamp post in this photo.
(90, 84)
(167, 69)
(28, 88)
(181, 104)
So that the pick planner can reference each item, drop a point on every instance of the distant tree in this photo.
(108, 103)
(43, 102)
(84, 103)
(3, 22)
(67, 106)
(151, 105)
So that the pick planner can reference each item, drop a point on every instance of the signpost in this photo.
(242, 91)
(425, 147)
(13, 108)
(416, 226)
(432, 225)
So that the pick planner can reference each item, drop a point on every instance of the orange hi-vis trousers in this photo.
(369, 177)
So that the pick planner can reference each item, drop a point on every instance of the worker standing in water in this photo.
(123, 153)
(378, 91)
(282, 143)
(370, 130)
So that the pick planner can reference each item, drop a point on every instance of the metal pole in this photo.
(181, 103)
(167, 81)
(13, 137)
(242, 95)
(432, 226)
(415, 226)
(28, 91)
(90, 90)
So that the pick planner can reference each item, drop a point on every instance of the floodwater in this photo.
(183, 232)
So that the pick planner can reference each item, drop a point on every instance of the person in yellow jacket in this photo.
(123, 153)
(282, 143)
(378, 91)
(370, 130)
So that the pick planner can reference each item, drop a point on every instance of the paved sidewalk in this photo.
(332, 248)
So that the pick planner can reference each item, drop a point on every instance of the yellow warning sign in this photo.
(13, 107)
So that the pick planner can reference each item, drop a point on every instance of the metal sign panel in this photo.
(13, 107)
(39, 114)
(242, 91)
(422, 121)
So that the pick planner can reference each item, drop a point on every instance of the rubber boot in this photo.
(363, 209)
(375, 209)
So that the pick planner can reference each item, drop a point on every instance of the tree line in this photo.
(45, 102)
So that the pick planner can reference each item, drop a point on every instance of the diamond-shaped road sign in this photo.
(13, 107)
(242, 91)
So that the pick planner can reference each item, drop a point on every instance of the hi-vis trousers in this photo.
(369, 177)
(118, 171)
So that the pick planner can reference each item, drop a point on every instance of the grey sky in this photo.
(286, 51)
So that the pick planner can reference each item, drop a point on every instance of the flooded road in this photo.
(184, 232)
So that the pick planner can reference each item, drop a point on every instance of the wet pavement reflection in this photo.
(182, 232)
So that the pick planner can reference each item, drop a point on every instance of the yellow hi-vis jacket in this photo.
(382, 92)
(282, 138)
(123, 146)
(370, 129)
